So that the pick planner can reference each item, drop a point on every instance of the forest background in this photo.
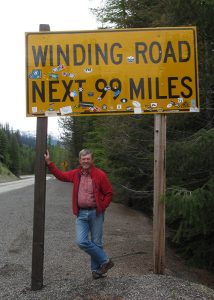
(123, 145)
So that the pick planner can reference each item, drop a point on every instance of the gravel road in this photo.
(128, 240)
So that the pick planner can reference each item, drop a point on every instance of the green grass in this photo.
(5, 174)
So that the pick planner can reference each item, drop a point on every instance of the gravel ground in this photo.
(128, 240)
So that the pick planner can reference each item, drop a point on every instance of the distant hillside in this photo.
(27, 139)
(30, 140)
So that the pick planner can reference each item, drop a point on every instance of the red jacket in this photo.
(101, 185)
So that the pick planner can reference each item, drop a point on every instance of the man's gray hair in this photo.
(84, 152)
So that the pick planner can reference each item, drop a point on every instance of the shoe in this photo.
(105, 267)
(96, 275)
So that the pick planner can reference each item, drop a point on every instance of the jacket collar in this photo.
(86, 172)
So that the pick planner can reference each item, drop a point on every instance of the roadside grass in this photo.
(5, 174)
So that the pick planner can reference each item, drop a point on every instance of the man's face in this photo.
(86, 161)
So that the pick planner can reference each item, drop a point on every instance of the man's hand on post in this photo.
(47, 157)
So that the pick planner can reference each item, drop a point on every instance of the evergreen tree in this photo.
(3, 146)
(190, 217)
(113, 13)
(14, 153)
(74, 135)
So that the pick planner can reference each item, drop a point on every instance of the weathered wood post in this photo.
(39, 198)
(159, 191)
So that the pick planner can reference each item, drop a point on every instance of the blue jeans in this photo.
(88, 223)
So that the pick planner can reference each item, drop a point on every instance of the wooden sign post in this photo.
(159, 191)
(39, 199)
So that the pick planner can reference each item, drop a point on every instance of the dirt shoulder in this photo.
(132, 232)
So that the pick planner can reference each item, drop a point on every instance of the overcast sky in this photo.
(18, 17)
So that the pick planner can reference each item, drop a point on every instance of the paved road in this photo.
(15, 185)
(128, 240)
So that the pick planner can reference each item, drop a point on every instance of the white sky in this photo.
(18, 17)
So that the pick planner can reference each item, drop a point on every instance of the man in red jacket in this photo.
(92, 194)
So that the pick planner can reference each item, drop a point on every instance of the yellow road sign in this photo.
(131, 71)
